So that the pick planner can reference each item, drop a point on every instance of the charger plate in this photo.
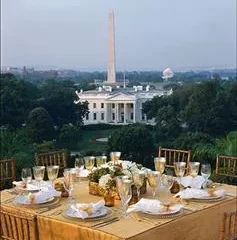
(24, 200)
(101, 214)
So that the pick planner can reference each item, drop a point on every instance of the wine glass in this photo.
(206, 171)
(165, 185)
(125, 193)
(39, 174)
(115, 156)
(79, 164)
(100, 160)
(89, 162)
(193, 168)
(68, 180)
(52, 172)
(138, 179)
(179, 168)
(153, 178)
(26, 176)
(160, 164)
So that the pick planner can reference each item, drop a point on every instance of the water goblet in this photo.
(179, 168)
(39, 174)
(100, 160)
(193, 168)
(89, 162)
(26, 175)
(115, 156)
(138, 179)
(160, 164)
(153, 178)
(52, 172)
(164, 188)
(125, 193)
(206, 171)
(68, 180)
(79, 164)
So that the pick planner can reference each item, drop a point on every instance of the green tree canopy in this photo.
(134, 141)
(41, 124)
(18, 97)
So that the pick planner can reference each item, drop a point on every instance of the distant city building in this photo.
(113, 102)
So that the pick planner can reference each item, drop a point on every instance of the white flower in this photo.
(127, 173)
(104, 180)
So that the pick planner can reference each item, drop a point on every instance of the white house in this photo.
(118, 106)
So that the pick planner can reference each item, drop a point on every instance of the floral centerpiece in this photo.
(102, 180)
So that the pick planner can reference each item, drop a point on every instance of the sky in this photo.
(150, 34)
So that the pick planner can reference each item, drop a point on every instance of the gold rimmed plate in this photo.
(98, 215)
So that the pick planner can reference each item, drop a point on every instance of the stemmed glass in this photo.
(206, 171)
(52, 172)
(115, 156)
(193, 168)
(165, 185)
(160, 164)
(79, 164)
(153, 178)
(125, 192)
(179, 168)
(26, 176)
(39, 174)
(138, 179)
(89, 162)
(100, 160)
(68, 180)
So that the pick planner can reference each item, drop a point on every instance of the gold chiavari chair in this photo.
(228, 229)
(7, 171)
(226, 166)
(174, 155)
(52, 158)
(17, 225)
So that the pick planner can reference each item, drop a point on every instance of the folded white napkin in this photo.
(198, 193)
(146, 205)
(84, 210)
(44, 194)
(30, 186)
(84, 173)
(193, 182)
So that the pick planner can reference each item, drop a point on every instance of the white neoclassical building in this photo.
(118, 106)
(112, 104)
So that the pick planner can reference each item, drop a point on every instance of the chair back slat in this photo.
(228, 229)
(226, 166)
(174, 155)
(52, 158)
(17, 225)
(7, 170)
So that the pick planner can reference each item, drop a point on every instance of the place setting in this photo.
(194, 187)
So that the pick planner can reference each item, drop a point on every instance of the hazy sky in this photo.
(150, 34)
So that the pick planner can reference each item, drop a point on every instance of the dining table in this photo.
(198, 220)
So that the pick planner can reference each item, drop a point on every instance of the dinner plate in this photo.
(73, 214)
(172, 210)
(24, 200)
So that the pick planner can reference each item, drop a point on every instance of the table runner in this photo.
(201, 220)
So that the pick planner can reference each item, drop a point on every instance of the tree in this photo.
(18, 97)
(41, 124)
(134, 141)
(58, 100)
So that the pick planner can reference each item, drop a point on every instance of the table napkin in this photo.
(146, 205)
(44, 194)
(84, 173)
(193, 182)
(84, 210)
(198, 193)
(30, 187)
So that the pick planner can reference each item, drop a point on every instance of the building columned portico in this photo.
(117, 106)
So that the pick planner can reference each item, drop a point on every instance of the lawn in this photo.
(88, 142)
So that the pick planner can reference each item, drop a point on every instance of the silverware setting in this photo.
(8, 200)
(106, 222)
(45, 209)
